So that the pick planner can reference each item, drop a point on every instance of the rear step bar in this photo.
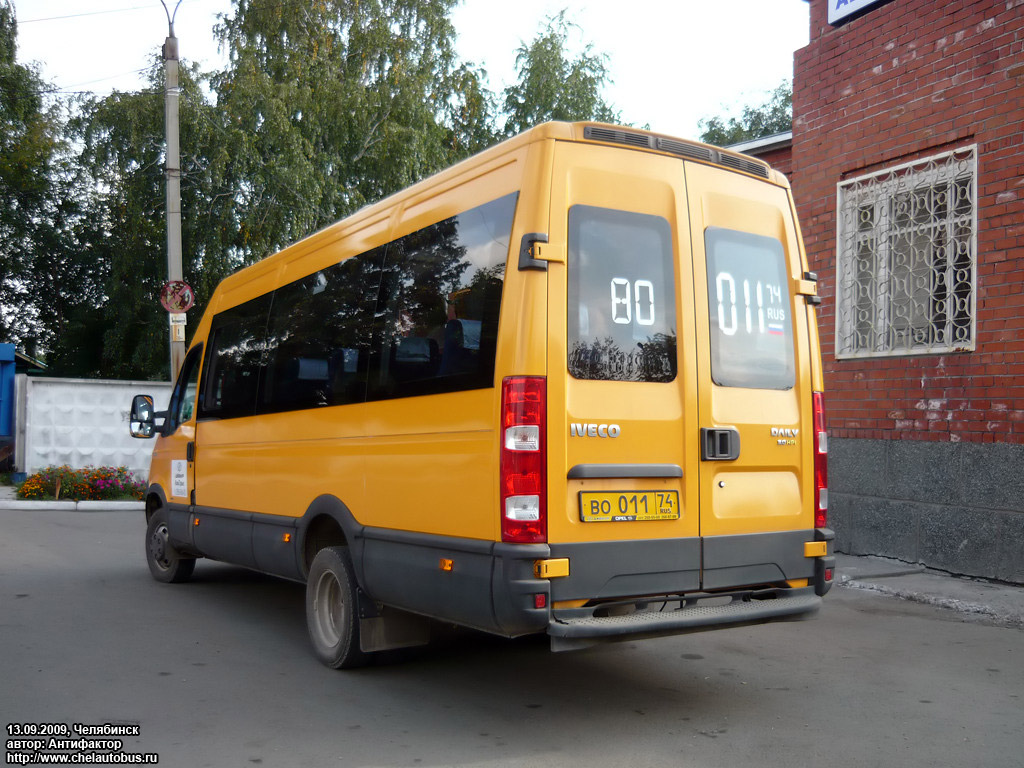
(575, 628)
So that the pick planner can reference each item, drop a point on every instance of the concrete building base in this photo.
(958, 507)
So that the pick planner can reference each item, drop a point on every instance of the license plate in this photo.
(625, 506)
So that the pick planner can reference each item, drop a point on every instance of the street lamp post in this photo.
(173, 175)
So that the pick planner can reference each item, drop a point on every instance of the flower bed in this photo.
(89, 484)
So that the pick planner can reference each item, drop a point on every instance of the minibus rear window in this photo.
(622, 313)
(749, 308)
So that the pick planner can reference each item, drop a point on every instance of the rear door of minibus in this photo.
(668, 465)
(622, 395)
(753, 347)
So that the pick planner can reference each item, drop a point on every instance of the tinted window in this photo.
(417, 316)
(749, 303)
(319, 337)
(436, 322)
(622, 313)
(233, 361)
(183, 399)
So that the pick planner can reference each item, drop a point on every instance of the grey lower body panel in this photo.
(610, 569)
(756, 558)
(248, 539)
(616, 569)
(490, 586)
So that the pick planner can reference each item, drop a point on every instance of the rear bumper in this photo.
(570, 629)
(601, 571)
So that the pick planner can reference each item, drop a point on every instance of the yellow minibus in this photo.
(571, 385)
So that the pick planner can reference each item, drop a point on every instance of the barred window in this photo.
(907, 247)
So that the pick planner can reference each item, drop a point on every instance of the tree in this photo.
(333, 104)
(553, 87)
(123, 333)
(325, 106)
(41, 278)
(773, 116)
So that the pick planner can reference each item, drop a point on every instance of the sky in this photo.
(672, 62)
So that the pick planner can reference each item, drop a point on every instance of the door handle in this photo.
(190, 452)
(719, 444)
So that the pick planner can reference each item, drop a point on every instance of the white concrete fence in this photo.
(81, 423)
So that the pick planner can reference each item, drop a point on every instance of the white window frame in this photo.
(892, 307)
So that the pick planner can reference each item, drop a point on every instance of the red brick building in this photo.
(908, 172)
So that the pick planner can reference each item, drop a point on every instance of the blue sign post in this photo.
(6, 405)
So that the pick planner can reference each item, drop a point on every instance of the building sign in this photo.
(840, 10)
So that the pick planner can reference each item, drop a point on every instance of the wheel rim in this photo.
(159, 547)
(329, 609)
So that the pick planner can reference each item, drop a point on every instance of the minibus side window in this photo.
(749, 308)
(233, 360)
(436, 323)
(319, 337)
(183, 399)
(622, 311)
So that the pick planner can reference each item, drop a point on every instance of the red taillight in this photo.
(820, 462)
(523, 460)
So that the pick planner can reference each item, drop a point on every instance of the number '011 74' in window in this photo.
(750, 311)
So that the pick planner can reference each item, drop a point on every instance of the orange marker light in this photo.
(447, 565)
(286, 538)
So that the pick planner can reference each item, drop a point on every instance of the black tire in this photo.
(331, 613)
(165, 562)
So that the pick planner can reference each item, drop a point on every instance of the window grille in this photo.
(906, 253)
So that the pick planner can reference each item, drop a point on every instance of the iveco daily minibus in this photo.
(571, 385)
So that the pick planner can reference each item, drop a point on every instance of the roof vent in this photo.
(745, 165)
(686, 149)
(617, 137)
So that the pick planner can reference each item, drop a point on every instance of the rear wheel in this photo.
(331, 613)
(165, 562)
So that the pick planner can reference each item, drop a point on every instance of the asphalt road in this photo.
(217, 672)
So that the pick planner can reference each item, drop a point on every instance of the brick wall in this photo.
(780, 159)
(910, 79)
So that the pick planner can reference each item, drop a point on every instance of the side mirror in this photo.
(142, 421)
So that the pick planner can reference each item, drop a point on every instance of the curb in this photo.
(998, 615)
(76, 506)
(972, 598)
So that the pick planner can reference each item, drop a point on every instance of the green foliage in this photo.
(553, 87)
(124, 333)
(324, 107)
(37, 207)
(773, 116)
(334, 104)
(89, 484)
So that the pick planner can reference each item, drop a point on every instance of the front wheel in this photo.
(165, 562)
(331, 613)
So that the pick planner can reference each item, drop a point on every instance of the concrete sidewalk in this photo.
(988, 601)
(1001, 604)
